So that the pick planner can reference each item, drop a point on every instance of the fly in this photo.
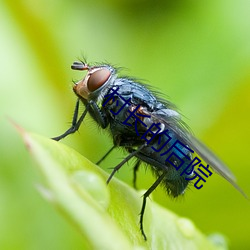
(148, 127)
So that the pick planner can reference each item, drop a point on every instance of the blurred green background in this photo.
(195, 52)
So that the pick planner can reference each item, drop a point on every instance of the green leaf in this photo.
(107, 215)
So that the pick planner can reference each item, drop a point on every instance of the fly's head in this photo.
(96, 79)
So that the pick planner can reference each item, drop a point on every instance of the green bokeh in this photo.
(197, 53)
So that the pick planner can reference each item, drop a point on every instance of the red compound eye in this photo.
(97, 79)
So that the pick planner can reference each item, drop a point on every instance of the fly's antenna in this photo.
(80, 66)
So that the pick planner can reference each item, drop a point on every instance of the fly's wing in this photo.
(217, 165)
(171, 119)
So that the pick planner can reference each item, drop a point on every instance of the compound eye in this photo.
(97, 79)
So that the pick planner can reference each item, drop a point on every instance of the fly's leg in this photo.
(91, 107)
(145, 196)
(124, 161)
(98, 114)
(75, 124)
(135, 169)
(105, 155)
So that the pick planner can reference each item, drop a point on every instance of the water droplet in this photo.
(94, 185)
(186, 226)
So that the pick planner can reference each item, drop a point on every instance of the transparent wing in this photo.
(217, 165)
(171, 120)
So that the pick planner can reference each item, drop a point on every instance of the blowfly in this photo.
(148, 127)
